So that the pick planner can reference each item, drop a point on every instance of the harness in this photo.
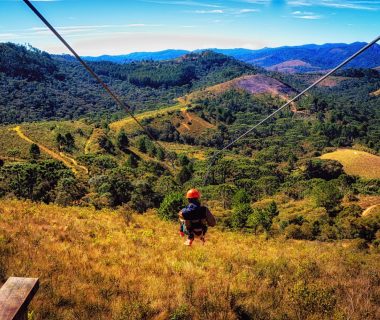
(197, 225)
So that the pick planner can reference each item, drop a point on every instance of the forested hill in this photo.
(304, 58)
(37, 86)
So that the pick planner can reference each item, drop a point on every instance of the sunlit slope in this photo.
(129, 124)
(253, 84)
(357, 162)
(107, 265)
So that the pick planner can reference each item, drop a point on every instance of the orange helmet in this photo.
(193, 194)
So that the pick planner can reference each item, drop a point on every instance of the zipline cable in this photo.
(122, 104)
(217, 153)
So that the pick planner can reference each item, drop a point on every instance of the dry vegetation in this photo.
(357, 162)
(111, 265)
(129, 125)
(254, 84)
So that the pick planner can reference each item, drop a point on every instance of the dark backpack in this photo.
(198, 223)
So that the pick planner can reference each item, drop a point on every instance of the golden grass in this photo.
(129, 125)
(95, 265)
(376, 93)
(191, 124)
(45, 133)
(357, 162)
(59, 156)
(10, 140)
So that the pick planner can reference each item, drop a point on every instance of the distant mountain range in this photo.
(306, 58)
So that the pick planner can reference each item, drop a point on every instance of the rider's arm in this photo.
(211, 221)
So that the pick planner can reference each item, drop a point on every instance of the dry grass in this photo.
(45, 133)
(254, 84)
(376, 93)
(10, 140)
(357, 162)
(129, 125)
(109, 265)
(191, 124)
(59, 156)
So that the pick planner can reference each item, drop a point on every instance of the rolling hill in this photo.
(357, 162)
(305, 58)
(253, 84)
(37, 86)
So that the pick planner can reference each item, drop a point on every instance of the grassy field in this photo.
(356, 162)
(129, 125)
(114, 265)
(45, 133)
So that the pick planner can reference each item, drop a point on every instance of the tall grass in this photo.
(114, 265)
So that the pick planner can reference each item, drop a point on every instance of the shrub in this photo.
(323, 169)
(293, 231)
(170, 206)
(240, 197)
(310, 299)
(327, 195)
(240, 216)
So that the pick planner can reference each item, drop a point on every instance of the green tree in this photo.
(240, 197)
(141, 145)
(326, 194)
(132, 161)
(34, 151)
(122, 141)
(14, 153)
(240, 216)
(170, 206)
(160, 154)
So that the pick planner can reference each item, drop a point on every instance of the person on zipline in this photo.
(194, 218)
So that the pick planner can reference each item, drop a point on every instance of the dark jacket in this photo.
(194, 211)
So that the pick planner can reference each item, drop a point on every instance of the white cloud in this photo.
(339, 4)
(309, 17)
(248, 10)
(217, 11)
(183, 3)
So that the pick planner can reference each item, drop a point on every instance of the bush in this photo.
(240, 216)
(323, 169)
(170, 206)
(327, 195)
(240, 197)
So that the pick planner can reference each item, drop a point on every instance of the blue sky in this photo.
(97, 27)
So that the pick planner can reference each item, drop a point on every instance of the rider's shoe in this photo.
(188, 242)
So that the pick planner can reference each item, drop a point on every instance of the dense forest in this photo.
(36, 86)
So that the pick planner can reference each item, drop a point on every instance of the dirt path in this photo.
(369, 210)
(67, 161)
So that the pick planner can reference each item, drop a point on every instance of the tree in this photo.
(240, 197)
(132, 161)
(170, 206)
(160, 154)
(323, 169)
(34, 151)
(240, 216)
(122, 141)
(14, 153)
(68, 190)
(141, 145)
(225, 192)
(326, 194)
(184, 175)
